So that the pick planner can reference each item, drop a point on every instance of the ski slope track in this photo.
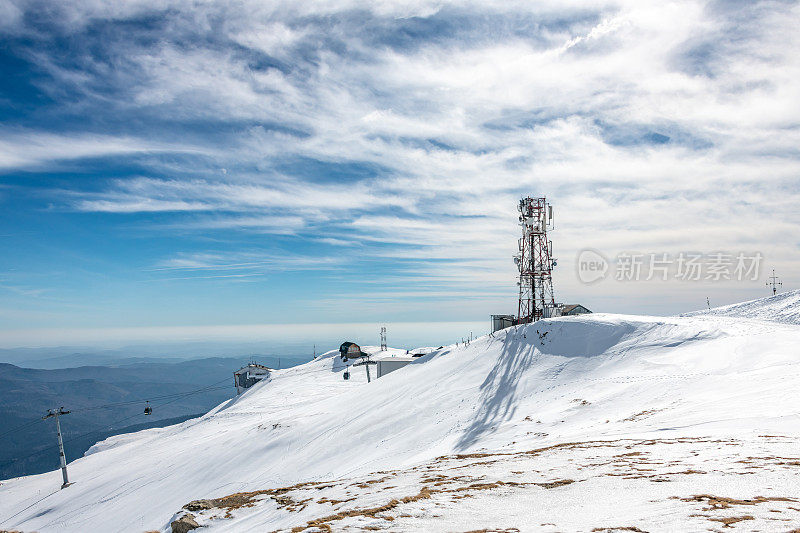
(589, 423)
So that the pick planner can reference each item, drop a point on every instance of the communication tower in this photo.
(535, 261)
(383, 338)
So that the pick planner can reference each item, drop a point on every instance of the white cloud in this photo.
(463, 123)
(252, 262)
(33, 148)
(10, 15)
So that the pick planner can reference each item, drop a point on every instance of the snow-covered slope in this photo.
(783, 307)
(610, 378)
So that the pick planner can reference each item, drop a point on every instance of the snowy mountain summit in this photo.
(591, 423)
(783, 307)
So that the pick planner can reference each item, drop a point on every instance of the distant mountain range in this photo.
(74, 356)
(177, 390)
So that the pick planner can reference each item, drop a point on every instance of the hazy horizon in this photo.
(230, 339)
(289, 339)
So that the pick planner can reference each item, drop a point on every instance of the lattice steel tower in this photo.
(535, 261)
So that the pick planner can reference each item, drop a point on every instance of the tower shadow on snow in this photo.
(499, 389)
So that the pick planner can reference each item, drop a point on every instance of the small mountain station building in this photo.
(506, 321)
(384, 361)
(249, 375)
(390, 364)
(350, 350)
(574, 309)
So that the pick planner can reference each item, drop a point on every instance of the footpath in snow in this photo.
(576, 423)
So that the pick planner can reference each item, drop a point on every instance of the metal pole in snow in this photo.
(366, 362)
(63, 457)
(61, 454)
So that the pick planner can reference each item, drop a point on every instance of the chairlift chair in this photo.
(147, 409)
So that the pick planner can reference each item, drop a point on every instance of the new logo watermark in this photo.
(592, 266)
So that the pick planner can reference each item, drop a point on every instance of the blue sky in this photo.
(174, 164)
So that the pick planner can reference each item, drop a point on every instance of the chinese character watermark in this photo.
(592, 266)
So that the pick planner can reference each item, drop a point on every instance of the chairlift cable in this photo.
(213, 386)
(21, 426)
(109, 426)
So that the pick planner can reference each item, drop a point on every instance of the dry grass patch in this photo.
(425, 493)
(476, 455)
(367, 483)
(556, 483)
(641, 414)
(623, 528)
(324, 523)
(729, 521)
(335, 502)
(247, 499)
(492, 530)
(721, 502)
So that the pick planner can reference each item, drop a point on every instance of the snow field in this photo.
(597, 377)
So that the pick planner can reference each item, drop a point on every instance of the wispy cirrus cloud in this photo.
(204, 195)
(249, 261)
(412, 129)
(29, 149)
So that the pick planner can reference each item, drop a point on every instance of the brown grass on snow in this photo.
(732, 519)
(721, 502)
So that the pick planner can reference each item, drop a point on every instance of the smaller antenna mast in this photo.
(774, 282)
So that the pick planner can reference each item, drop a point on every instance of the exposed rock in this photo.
(199, 505)
(184, 524)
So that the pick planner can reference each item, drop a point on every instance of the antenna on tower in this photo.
(383, 338)
(534, 261)
(774, 282)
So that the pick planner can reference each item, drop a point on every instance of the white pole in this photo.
(61, 452)
(56, 413)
